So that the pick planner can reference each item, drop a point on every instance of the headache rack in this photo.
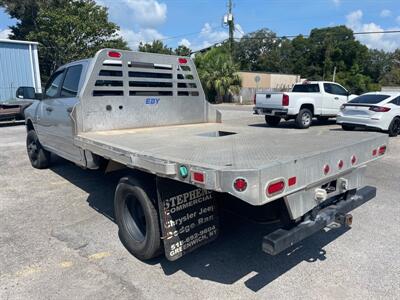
(126, 89)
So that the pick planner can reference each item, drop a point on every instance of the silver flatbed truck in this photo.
(148, 113)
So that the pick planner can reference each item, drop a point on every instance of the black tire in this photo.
(38, 156)
(304, 118)
(348, 127)
(137, 218)
(394, 127)
(272, 120)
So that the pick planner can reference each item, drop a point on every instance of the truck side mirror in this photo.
(25, 92)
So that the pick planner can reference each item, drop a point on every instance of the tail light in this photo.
(292, 181)
(240, 184)
(379, 108)
(275, 187)
(285, 100)
(254, 99)
(382, 150)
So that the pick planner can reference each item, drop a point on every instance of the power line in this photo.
(307, 35)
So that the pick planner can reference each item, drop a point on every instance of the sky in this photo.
(198, 23)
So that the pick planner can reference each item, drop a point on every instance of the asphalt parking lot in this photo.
(58, 241)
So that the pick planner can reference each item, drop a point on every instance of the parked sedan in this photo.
(379, 110)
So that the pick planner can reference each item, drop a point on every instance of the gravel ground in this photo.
(58, 241)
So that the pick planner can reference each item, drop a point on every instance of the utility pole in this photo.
(229, 20)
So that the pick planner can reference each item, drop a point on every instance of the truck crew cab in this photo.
(147, 113)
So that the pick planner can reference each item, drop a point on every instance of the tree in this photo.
(26, 11)
(218, 74)
(156, 46)
(72, 31)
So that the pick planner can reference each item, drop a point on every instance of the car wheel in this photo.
(394, 128)
(38, 156)
(272, 120)
(137, 218)
(348, 127)
(304, 118)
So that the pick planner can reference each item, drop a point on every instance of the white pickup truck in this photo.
(321, 99)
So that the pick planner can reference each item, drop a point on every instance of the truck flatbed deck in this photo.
(223, 151)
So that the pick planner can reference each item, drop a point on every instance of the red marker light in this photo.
(198, 177)
(326, 169)
(114, 54)
(292, 181)
(240, 184)
(182, 60)
(340, 164)
(353, 159)
(382, 150)
(275, 188)
(374, 152)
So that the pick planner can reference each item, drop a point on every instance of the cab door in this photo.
(335, 96)
(57, 113)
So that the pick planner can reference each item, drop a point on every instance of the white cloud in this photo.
(184, 42)
(211, 35)
(385, 13)
(134, 38)
(336, 2)
(387, 42)
(148, 13)
(4, 33)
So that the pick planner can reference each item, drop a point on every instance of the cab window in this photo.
(53, 85)
(335, 89)
(71, 81)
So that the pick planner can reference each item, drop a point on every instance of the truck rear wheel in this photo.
(272, 120)
(137, 218)
(304, 118)
(38, 156)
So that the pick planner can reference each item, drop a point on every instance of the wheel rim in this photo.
(33, 150)
(135, 219)
(306, 119)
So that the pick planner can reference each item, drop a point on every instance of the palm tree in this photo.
(218, 75)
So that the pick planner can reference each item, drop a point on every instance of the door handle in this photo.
(49, 109)
(336, 98)
(69, 109)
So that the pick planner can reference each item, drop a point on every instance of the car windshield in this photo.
(306, 88)
(369, 99)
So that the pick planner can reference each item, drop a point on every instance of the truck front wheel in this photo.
(304, 118)
(38, 156)
(137, 218)
(272, 120)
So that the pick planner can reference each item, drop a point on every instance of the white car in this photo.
(380, 110)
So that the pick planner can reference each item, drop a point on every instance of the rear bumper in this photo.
(281, 239)
(282, 112)
(363, 122)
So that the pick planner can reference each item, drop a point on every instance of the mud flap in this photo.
(188, 217)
